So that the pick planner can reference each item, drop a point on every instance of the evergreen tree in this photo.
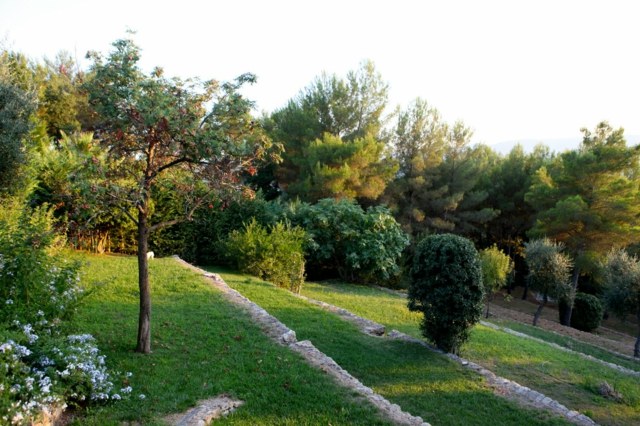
(418, 141)
(588, 200)
(345, 114)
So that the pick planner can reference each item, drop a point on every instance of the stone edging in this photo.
(205, 412)
(503, 387)
(287, 337)
(506, 387)
(617, 367)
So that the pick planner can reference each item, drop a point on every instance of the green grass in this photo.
(420, 381)
(569, 343)
(566, 377)
(202, 347)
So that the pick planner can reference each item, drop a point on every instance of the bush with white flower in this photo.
(39, 367)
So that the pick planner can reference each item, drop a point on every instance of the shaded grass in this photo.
(420, 381)
(565, 377)
(202, 347)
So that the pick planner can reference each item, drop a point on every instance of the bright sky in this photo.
(511, 70)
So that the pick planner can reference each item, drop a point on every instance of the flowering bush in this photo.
(54, 370)
(37, 286)
(39, 368)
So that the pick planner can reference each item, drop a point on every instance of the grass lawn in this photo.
(569, 343)
(420, 381)
(565, 377)
(202, 347)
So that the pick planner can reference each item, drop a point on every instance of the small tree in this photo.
(496, 267)
(549, 271)
(446, 286)
(150, 125)
(622, 280)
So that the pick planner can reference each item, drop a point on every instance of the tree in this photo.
(496, 267)
(16, 107)
(588, 199)
(418, 142)
(149, 124)
(435, 188)
(345, 114)
(549, 271)
(622, 280)
(62, 104)
(446, 286)
(333, 168)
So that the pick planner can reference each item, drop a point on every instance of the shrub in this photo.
(360, 246)
(274, 254)
(587, 312)
(446, 286)
(34, 278)
(38, 289)
(206, 236)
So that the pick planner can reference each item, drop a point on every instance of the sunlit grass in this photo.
(570, 343)
(420, 381)
(202, 347)
(570, 379)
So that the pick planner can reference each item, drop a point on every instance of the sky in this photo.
(510, 70)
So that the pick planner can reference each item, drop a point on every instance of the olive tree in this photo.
(446, 286)
(549, 271)
(622, 280)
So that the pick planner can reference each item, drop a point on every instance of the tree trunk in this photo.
(636, 348)
(536, 317)
(566, 318)
(525, 293)
(489, 300)
(144, 319)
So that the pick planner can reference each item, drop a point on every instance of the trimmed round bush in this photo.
(587, 312)
(446, 286)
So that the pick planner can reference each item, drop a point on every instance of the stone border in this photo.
(611, 365)
(287, 337)
(507, 388)
(205, 411)
(502, 387)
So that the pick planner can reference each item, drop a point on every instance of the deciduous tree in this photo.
(150, 124)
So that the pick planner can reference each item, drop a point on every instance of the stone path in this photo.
(287, 337)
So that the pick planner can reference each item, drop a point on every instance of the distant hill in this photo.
(557, 144)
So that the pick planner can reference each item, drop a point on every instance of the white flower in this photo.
(128, 389)
(9, 302)
(141, 396)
